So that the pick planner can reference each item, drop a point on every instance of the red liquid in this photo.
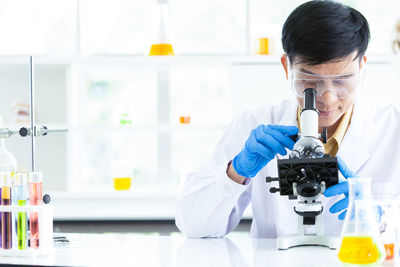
(6, 224)
(35, 198)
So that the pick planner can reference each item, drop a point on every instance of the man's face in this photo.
(337, 84)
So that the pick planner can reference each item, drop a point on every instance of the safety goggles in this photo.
(342, 86)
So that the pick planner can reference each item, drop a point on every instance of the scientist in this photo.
(324, 44)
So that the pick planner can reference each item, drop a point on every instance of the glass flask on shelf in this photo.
(162, 45)
(360, 239)
(184, 112)
(122, 174)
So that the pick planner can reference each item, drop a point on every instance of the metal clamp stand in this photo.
(33, 131)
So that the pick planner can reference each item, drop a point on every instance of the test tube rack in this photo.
(45, 221)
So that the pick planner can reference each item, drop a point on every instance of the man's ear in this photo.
(363, 61)
(284, 61)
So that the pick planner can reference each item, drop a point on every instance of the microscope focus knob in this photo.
(274, 189)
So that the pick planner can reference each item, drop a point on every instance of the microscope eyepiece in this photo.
(309, 99)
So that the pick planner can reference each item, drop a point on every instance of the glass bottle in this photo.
(360, 240)
(162, 45)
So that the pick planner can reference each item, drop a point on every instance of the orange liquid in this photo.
(359, 250)
(161, 50)
(123, 183)
(184, 119)
(389, 251)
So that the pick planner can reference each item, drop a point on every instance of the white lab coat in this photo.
(211, 204)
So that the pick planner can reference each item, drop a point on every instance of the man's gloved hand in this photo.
(263, 144)
(341, 188)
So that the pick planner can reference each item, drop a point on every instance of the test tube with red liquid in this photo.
(6, 217)
(35, 198)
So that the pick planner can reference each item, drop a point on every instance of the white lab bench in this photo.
(152, 250)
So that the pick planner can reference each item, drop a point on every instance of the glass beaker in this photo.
(122, 173)
(387, 216)
(386, 208)
(361, 242)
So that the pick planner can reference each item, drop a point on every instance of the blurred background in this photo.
(138, 123)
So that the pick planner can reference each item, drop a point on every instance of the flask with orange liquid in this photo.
(361, 241)
(162, 45)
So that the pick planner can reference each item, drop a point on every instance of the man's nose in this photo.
(329, 96)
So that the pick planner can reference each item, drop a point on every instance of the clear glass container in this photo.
(122, 174)
(387, 208)
(360, 240)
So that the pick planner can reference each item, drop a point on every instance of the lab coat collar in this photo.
(353, 150)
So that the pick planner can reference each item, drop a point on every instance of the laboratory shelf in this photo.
(155, 128)
(143, 61)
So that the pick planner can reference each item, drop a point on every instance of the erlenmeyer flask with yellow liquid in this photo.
(360, 241)
(162, 45)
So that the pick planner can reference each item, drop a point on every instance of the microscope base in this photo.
(289, 241)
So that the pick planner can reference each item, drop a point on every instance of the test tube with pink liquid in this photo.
(35, 198)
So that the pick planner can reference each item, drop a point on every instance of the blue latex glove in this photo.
(263, 144)
(341, 188)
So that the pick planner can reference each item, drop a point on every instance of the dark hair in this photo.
(323, 31)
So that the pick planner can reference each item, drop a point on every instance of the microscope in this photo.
(305, 175)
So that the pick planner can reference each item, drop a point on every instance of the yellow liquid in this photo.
(123, 183)
(161, 50)
(359, 250)
(263, 46)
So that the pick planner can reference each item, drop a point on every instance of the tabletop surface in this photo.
(152, 250)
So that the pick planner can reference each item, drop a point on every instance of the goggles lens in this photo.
(342, 86)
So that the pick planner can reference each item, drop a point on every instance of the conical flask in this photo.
(360, 240)
(162, 45)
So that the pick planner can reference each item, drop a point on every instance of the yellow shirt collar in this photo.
(334, 141)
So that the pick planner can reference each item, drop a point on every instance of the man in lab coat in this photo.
(324, 44)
